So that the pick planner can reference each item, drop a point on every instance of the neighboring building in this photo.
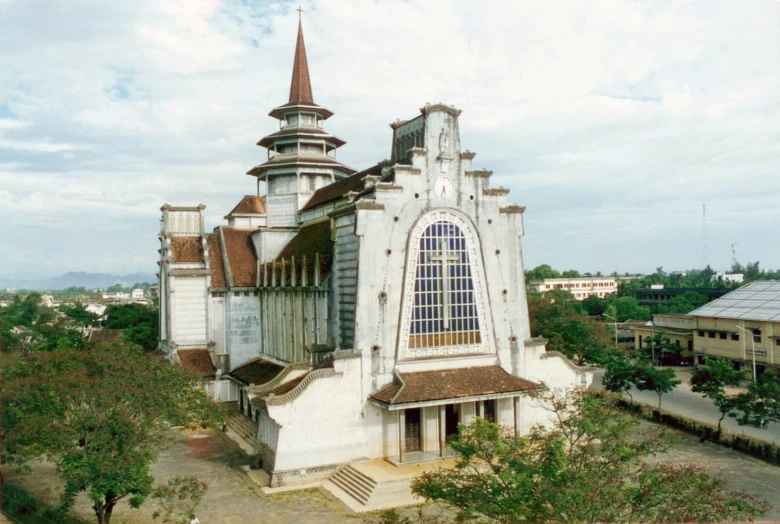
(358, 316)
(47, 301)
(679, 329)
(137, 293)
(736, 278)
(733, 326)
(581, 287)
(657, 294)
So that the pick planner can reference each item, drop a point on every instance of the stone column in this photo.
(401, 434)
(442, 426)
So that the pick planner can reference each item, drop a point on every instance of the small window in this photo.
(701, 333)
(735, 336)
(722, 336)
(677, 343)
(756, 335)
(711, 334)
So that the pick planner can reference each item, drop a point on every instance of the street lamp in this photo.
(616, 322)
(652, 341)
(753, 346)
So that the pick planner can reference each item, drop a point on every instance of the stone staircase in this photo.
(355, 484)
(243, 426)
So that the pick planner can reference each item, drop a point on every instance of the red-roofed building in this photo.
(358, 315)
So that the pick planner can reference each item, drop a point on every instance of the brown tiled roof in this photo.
(187, 249)
(300, 131)
(310, 241)
(342, 187)
(242, 259)
(286, 387)
(451, 384)
(105, 335)
(257, 371)
(249, 205)
(218, 280)
(197, 360)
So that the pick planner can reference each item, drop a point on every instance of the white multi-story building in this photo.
(363, 315)
(580, 287)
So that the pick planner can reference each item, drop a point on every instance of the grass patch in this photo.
(23, 507)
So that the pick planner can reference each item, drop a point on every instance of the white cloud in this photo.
(612, 122)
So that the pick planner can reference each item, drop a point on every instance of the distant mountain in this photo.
(78, 279)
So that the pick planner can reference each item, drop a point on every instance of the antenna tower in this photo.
(733, 255)
(704, 247)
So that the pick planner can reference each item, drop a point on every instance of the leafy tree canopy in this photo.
(587, 467)
(542, 272)
(712, 379)
(100, 414)
(760, 405)
(141, 324)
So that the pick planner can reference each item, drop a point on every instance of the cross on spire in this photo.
(299, 13)
(445, 258)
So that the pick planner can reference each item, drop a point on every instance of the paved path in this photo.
(232, 498)
(683, 401)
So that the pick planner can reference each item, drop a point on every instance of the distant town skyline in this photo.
(613, 123)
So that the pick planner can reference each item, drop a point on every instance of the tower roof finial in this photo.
(300, 87)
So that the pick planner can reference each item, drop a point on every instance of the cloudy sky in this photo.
(613, 122)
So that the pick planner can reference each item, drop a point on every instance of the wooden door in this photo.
(413, 430)
(451, 421)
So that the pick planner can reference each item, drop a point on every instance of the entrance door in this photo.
(413, 430)
(490, 411)
(451, 420)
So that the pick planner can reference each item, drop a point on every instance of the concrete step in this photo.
(355, 484)
(243, 426)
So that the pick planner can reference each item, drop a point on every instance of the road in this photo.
(683, 401)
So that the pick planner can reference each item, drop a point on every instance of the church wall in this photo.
(431, 429)
(294, 319)
(506, 412)
(218, 323)
(389, 433)
(188, 310)
(341, 434)
(243, 327)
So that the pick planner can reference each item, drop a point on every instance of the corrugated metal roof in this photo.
(755, 301)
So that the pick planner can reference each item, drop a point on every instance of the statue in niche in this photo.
(444, 141)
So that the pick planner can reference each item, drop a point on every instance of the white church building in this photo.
(358, 315)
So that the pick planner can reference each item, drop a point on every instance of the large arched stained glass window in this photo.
(444, 309)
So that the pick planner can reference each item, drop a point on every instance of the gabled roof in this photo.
(187, 249)
(218, 280)
(426, 386)
(197, 360)
(755, 301)
(249, 205)
(295, 132)
(338, 189)
(256, 372)
(105, 335)
(241, 256)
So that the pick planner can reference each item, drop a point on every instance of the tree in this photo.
(658, 380)
(555, 315)
(659, 349)
(593, 306)
(571, 273)
(178, 499)
(140, 323)
(627, 308)
(712, 378)
(684, 303)
(587, 467)
(541, 272)
(99, 414)
(79, 313)
(620, 375)
(760, 405)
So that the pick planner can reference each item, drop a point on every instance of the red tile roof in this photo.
(218, 280)
(452, 384)
(187, 249)
(105, 335)
(197, 360)
(242, 259)
(338, 189)
(249, 205)
(311, 240)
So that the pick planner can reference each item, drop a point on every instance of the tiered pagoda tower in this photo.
(301, 155)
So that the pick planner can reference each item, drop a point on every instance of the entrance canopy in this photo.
(447, 386)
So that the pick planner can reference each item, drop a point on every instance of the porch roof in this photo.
(452, 384)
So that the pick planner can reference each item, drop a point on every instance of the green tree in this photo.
(178, 499)
(760, 405)
(79, 313)
(620, 375)
(555, 315)
(140, 323)
(541, 272)
(712, 378)
(659, 349)
(593, 306)
(571, 273)
(658, 380)
(684, 303)
(627, 308)
(101, 415)
(587, 467)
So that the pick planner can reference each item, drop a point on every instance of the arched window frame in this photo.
(474, 250)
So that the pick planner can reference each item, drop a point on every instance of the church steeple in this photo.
(300, 87)
(301, 155)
